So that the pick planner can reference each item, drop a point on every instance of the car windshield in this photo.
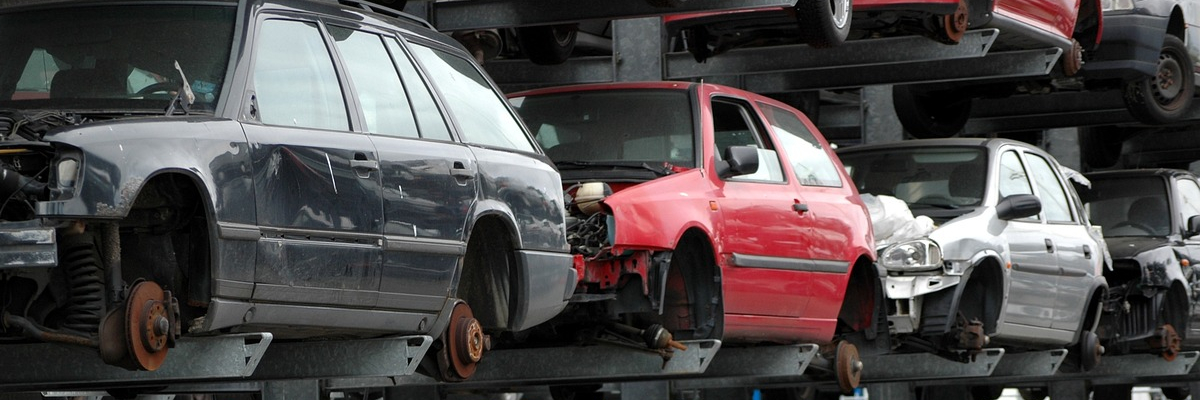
(924, 177)
(631, 127)
(119, 57)
(1133, 206)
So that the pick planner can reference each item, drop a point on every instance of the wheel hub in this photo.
(464, 344)
(1167, 84)
(848, 367)
(955, 25)
(1073, 61)
(138, 335)
(1167, 342)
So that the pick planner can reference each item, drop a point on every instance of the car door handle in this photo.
(1049, 246)
(1087, 252)
(461, 172)
(369, 165)
(800, 207)
(363, 166)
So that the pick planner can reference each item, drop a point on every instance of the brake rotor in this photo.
(1073, 62)
(465, 341)
(1167, 341)
(847, 366)
(954, 26)
(972, 336)
(147, 325)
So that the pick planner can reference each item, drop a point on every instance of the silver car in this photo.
(1009, 258)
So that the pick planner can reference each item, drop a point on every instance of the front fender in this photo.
(655, 214)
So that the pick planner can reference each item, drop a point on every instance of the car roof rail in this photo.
(388, 11)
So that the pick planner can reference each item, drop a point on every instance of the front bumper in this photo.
(904, 293)
(1129, 48)
(27, 244)
(546, 282)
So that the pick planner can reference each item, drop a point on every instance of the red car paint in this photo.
(742, 220)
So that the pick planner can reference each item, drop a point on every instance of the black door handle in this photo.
(1049, 246)
(800, 207)
(461, 172)
(1087, 252)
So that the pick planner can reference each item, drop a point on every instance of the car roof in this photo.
(991, 144)
(662, 85)
(1164, 172)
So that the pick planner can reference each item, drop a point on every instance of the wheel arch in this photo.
(863, 278)
(709, 274)
(475, 284)
(988, 271)
(1176, 24)
(1091, 317)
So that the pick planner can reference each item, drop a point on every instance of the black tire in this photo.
(986, 392)
(1152, 103)
(790, 393)
(548, 44)
(823, 23)
(1176, 392)
(1100, 146)
(930, 114)
(1035, 393)
(576, 392)
(1112, 392)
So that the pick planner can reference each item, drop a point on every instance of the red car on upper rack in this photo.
(711, 212)
(1024, 24)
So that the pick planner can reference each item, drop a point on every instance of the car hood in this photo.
(1131, 246)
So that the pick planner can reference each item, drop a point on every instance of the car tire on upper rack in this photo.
(1166, 96)
(548, 44)
(928, 114)
(823, 23)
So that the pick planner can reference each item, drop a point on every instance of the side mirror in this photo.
(1019, 206)
(1193, 226)
(739, 160)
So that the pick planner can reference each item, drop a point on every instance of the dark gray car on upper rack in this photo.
(309, 168)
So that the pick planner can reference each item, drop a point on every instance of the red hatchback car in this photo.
(1072, 25)
(710, 212)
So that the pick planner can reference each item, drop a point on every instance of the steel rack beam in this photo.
(577, 364)
(45, 366)
(754, 366)
(516, 75)
(485, 14)
(925, 366)
(852, 54)
(993, 66)
(1145, 365)
(383, 357)
(1030, 364)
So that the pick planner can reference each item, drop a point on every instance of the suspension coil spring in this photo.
(85, 282)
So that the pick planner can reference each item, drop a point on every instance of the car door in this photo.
(1074, 249)
(425, 205)
(766, 230)
(1034, 272)
(316, 183)
(831, 216)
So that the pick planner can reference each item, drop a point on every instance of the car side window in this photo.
(1050, 190)
(733, 125)
(294, 79)
(1013, 179)
(483, 116)
(1189, 199)
(376, 82)
(810, 161)
(429, 116)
